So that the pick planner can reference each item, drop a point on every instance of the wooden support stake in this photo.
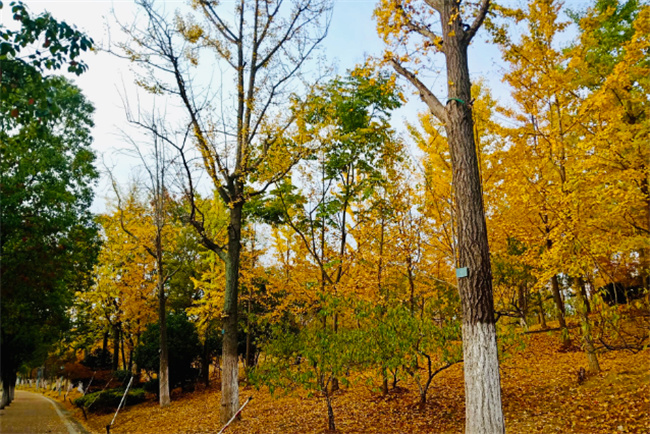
(236, 414)
(108, 427)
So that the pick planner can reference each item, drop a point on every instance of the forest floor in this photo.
(541, 394)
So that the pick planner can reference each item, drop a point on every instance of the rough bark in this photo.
(479, 347)
(484, 413)
(330, 414)
(5, 400)
(163, 373)
(8, 386)
(230, 374)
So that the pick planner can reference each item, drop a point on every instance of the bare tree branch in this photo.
(437, 109)
(478, 21)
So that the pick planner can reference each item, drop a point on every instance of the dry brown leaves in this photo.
(541, 394)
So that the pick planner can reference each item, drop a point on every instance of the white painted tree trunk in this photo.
(483, 413)
(4, 401)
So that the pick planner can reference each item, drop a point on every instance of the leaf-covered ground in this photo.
(541, 394)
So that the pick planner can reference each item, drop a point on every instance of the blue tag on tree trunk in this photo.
(461, 272)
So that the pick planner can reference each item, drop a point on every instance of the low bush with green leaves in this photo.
(108, 400)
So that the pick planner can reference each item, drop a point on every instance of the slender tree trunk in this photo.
(163, 374)
(559, 304)
(12, 387)
(248, 334)
(423, 399)
(644, 253)
(409, 261)
(6, 389)
(230, 374)
(105, 349)
(585, 296)
(330, 413)
(542, 314)
(523, 306)
(122, 350)
(4, 401)
(587, 341)
(116, 346)
(335, 381)
(483, 411)
(205, 363)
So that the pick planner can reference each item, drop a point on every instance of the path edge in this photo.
(73, 425)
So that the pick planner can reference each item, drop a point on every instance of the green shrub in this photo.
(122, 375)
(183, 346)
(108, 400)
(152, 386)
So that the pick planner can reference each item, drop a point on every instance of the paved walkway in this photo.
(32, 413)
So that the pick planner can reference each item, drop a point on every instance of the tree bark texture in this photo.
(330, 414)
(559, 304)
(163, 374)
(483, 412)
(230, 374)
(8, 385)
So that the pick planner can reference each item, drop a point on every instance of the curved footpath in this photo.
(32, 413)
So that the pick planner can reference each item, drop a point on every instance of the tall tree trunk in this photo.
(335, 381)
(122, 350)
(587, 340)
(644, 252)
(230, 374)
(7, 392)
(12, 387)
(163, 374)
(247, 357)
(585, 295)
(116, 346)
(559, 304)
(409, 269)
(542, 314)
(105, 349)
(205, 363)
(523, 305)
(483, 411)
(4, 401)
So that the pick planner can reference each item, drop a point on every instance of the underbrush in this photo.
(108, 400)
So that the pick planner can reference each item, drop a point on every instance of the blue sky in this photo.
(351, 37)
